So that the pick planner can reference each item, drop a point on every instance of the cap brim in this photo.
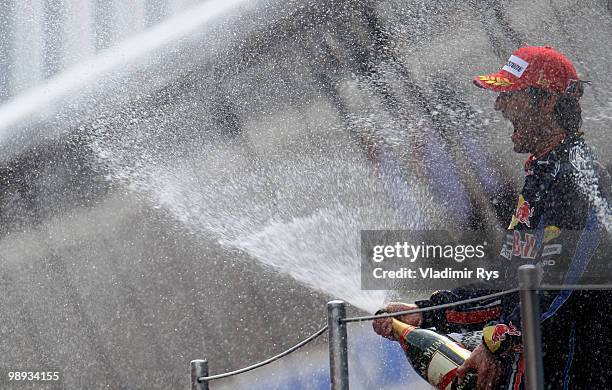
(497, 82)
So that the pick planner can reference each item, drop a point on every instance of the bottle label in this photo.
(441, 371)
(443, 364)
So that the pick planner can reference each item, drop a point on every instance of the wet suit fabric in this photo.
(559, 222)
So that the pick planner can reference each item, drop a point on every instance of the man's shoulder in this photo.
(576, 161)
(573, 180)
(582, 180)
(579, 156)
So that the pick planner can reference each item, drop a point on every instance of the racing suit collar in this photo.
(548, 154)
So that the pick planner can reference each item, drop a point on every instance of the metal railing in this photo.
(337, 334)
(199, 368)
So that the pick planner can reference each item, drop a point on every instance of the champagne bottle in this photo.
(433, 356)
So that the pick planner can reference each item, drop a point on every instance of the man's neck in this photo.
(549, 144)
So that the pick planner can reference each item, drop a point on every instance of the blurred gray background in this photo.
(184, 179)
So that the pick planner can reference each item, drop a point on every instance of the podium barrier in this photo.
(337, 334)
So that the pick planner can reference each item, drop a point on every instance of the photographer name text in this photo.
(431, 273)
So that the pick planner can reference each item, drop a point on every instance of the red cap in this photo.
(533, 66)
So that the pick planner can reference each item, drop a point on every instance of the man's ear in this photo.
(547, 104)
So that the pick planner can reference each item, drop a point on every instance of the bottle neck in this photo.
(401, 329)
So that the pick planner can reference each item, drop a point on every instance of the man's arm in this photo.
(461, 318)
(488, 367)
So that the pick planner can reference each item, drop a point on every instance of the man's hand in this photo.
(488, 367)
(384, 326)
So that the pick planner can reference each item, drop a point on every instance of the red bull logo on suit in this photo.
(522, 214)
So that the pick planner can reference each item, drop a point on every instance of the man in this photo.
(565, 200)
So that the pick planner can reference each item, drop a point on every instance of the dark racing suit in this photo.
(559, 224)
